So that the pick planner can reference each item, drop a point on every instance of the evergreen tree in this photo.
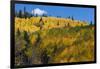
(25, 14)
(69, 17)
(44, 57)
(26, 37)
(91, 23)
(44, 15)
(16, 14)
(20, 14)
(72, 18)
(36, 15)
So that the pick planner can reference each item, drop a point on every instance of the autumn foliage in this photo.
(47, 40)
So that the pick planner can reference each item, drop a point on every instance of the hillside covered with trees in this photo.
(47, 40)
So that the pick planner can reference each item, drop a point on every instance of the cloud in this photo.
(39, 12)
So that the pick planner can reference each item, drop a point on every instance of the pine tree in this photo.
(16, 14)
(44, 15)
(26, 37)
(20, 14)
(44, 57)
(72, 18)
(91, 23)
(25, 14)
(69, 17)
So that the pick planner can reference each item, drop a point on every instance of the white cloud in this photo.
(38, 11)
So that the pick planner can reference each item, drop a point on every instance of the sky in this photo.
(79, 13)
